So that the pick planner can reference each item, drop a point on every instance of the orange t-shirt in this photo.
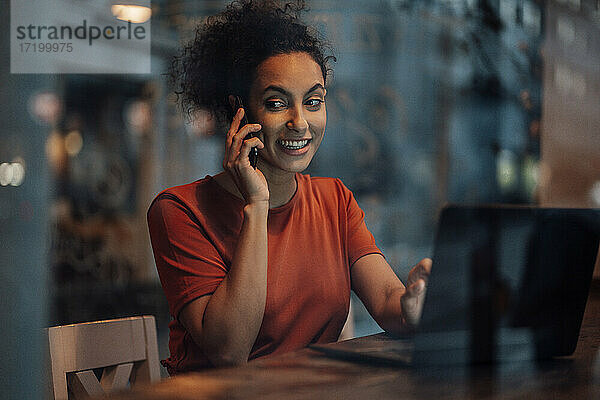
(313, 241)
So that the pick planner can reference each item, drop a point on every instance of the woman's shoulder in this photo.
(201, 197)
(202, 202)
(324, 186)
(183, 193)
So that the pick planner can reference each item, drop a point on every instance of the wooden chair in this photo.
(125, 348)
(348, 331)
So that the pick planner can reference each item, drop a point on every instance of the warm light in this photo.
(138, 115)
(18, 174)
(530, 175)
(595, 194)
(133, 13)
(56, 152)
(506, 170)
(11, 174)
(46, 107)
(6, 174)
(73, 143)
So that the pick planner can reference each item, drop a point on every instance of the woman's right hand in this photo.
(250, 182)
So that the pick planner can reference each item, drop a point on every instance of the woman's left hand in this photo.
(413, 297)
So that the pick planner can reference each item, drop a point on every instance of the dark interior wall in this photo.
(23, 232)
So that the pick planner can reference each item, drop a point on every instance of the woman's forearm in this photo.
(234, 313)
(391, 319)
(402, 310)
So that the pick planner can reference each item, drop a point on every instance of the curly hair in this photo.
(223, 57)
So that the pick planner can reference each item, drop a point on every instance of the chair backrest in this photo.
(125, 348)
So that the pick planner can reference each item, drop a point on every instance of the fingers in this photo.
(416, 288)
(243, 161)
(412, 302)
(247, 145)
(235, 139)
(235, 123)
(412, 299)
(426, 263)
(234, 128)
(420, 271)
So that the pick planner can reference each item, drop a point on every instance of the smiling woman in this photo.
(260, 261)
(288, 98)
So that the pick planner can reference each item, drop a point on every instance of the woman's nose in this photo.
(297, 121)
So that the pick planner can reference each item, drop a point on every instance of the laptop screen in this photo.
(507, 283)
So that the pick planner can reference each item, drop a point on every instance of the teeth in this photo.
(293, 144)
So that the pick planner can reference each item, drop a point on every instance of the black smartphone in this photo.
(253, 156)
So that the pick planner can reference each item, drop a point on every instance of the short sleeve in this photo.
(360, 240)
(188, 264)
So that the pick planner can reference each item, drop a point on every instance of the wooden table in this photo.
(307, 374)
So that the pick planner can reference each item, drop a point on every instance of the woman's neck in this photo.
(282, 184)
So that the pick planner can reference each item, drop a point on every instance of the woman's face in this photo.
(288, 99)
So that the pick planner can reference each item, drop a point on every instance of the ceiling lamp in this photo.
(136, 11)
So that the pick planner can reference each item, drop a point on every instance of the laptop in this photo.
(508, 283)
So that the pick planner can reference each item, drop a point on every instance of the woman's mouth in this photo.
(294, 147)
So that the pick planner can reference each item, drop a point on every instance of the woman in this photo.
(258, 261)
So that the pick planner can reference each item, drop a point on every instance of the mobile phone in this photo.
(253, 156)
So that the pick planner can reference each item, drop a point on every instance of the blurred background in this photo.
(431, 102)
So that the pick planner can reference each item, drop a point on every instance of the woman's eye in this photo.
(314, 104)
(275, 104)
